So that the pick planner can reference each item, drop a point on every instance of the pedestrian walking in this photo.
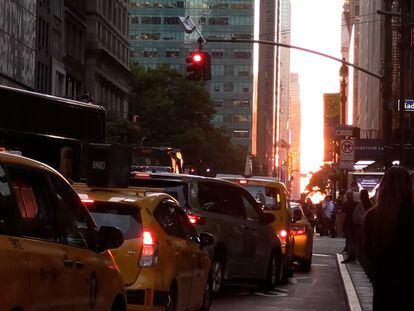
(348, 208)
(328, 209)
(387, 236)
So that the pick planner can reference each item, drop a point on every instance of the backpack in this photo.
(358, 214)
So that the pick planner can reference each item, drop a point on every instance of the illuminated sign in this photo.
(408, 105)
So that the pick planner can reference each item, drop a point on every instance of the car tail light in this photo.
(141, 174)
(196, 220)
(283, 236)
(86, 199)
(299, 231)
(149, 254)
(243, 181)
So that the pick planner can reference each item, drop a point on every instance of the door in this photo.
(167, 214)
(262, 236)
(78, 236)
(199, 263)
(14, 262)
(48, 278)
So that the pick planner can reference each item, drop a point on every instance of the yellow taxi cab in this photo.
(274, 199)
(162, 259)
(52, 256)
(303, 233)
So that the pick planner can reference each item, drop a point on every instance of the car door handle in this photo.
(68, 263)
(79, 264)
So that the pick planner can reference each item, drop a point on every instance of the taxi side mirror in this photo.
(110, 237)
(206, 239)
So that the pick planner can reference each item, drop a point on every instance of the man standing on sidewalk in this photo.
(328, 209)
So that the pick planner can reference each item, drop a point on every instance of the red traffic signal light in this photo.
(195, 67)
(197, 58)
(199, 66)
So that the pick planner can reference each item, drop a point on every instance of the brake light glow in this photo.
(242, 181)
(196, 220)
(147, 238)
(283, 234)
(149, 254)
(299, 231)
(88, 201)
(141, 174)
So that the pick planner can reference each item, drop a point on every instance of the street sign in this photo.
(343, 130)
(347, 150)
(408, 105)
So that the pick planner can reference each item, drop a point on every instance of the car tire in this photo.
(217, 276)
(208, 295)
(273, 273)
(306, 264)
(171, 299)
(285, 271)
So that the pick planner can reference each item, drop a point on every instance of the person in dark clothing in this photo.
(348, 207)
(366, 204)
(387, 237)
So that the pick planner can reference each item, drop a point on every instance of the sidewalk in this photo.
(357, 287)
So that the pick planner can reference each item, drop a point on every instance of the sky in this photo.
(316, 25)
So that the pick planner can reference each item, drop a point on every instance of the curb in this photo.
(350, 292)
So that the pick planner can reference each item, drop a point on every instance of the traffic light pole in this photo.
(284, 45)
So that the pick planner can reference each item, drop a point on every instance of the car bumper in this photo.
(146, 299)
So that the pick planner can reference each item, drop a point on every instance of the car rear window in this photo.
(177, 189)
(269, 197)
(126, 218)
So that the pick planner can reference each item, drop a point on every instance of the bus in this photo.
(50, 129)
(156, 159)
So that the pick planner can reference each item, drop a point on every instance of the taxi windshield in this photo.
(124, 217)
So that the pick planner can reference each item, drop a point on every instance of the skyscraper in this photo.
(294, 135)
(156, 38)
(284, 126)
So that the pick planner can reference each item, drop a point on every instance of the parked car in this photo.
(52, 254)
(273, 199)
(303, 233)
(162, 258)
(246, 246)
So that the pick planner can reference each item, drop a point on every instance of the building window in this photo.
(218, 21)
(57, 8)
(240, 118)
(171, 20)
(150, 52)
(217, 54)
(57, 38)
(150, 36)
(135, 20)
(241, 133)
(218, 103)
(153, 20)
(228, 87)
(172, 53)
(241, 103)
(243, 54)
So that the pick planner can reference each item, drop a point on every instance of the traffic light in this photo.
(207, 67)
(199, 66)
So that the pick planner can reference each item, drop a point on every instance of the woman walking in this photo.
(387, 232)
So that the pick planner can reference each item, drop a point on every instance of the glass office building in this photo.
(157, 37)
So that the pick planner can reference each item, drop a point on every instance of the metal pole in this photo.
(373, 74)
